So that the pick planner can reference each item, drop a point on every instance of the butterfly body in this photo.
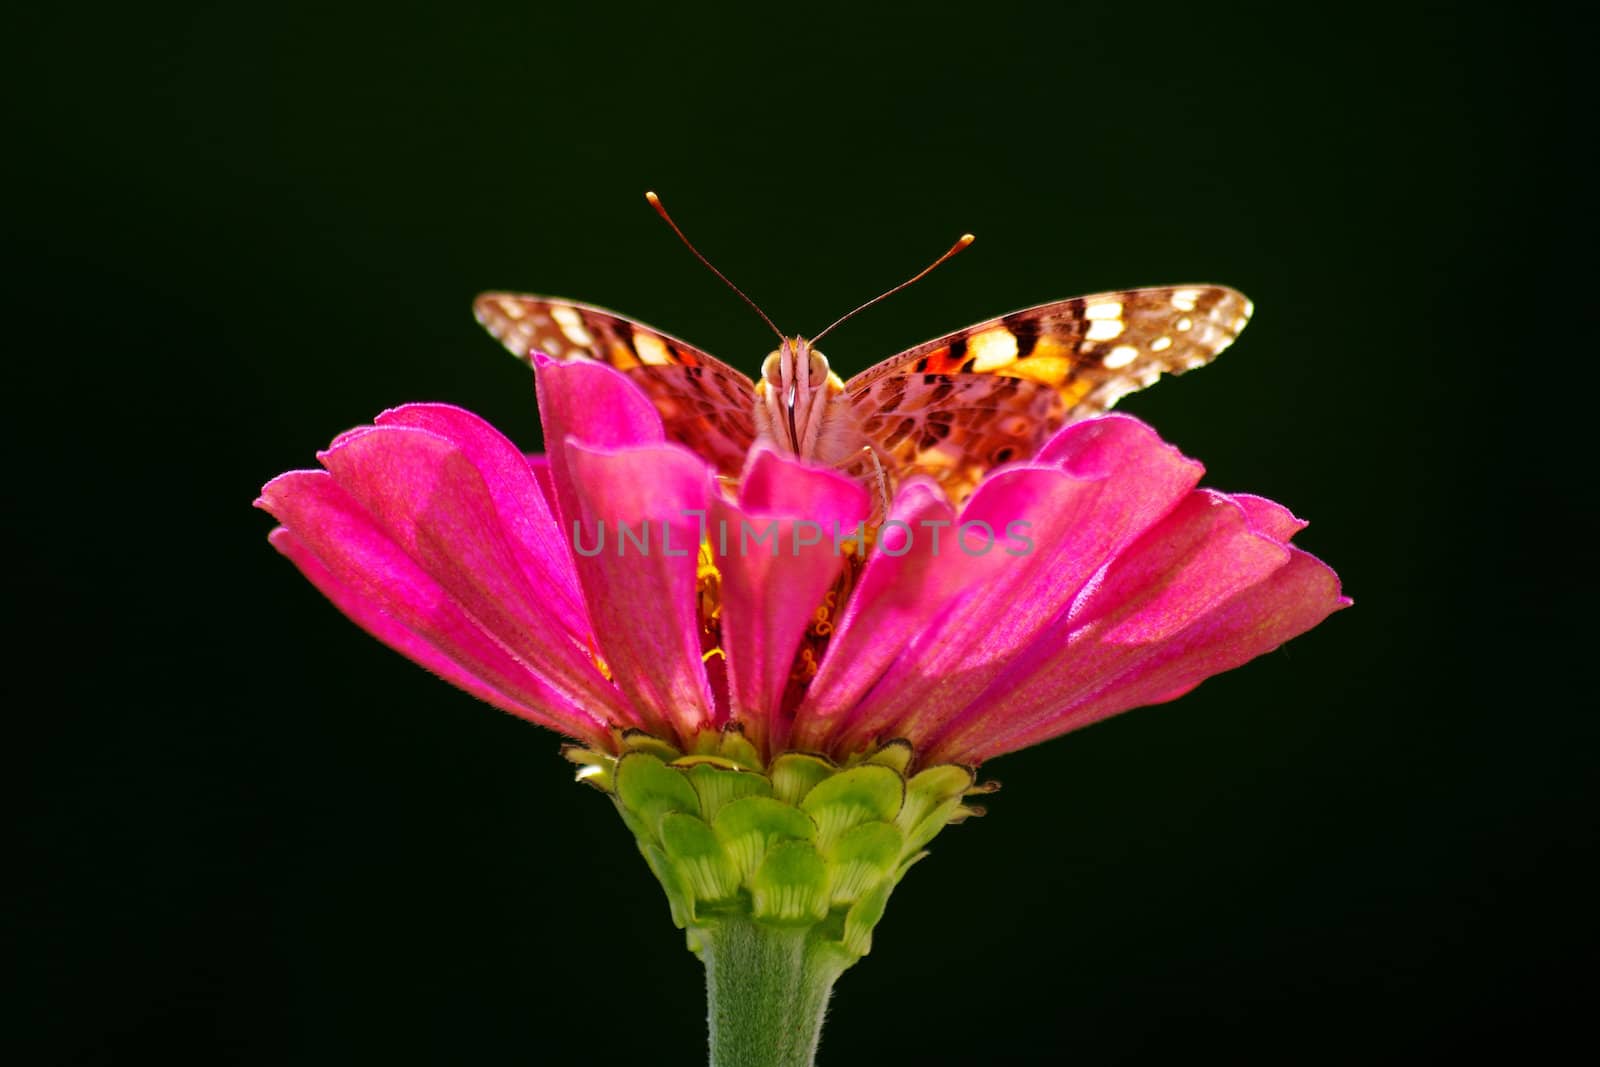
(950, 409)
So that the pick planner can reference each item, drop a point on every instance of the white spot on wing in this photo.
(1104, 329)
(1119, 357)
(992, 348)
(1161, 344)
(1105, 309)
(572, 326)
(1184, 299)
(652, 350)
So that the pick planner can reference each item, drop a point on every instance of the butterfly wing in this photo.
(954, 407)
(704, 403)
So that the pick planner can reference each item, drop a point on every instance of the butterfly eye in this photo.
(770, 368)
(818, 369)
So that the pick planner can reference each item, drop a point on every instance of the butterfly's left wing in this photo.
(954, 407)
(704, 403)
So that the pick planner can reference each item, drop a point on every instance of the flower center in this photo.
(824, 619)
(708, 590)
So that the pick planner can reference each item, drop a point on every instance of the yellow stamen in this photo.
(708, 584)
(707, 564)
(822, 618)
(806, 668)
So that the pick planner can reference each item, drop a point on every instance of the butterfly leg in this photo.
(879, 479)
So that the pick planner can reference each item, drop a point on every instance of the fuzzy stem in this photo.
(767, 989)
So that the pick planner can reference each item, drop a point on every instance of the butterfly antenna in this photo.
(655, 202)
(966, 239)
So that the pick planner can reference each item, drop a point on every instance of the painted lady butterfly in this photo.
(951, 408)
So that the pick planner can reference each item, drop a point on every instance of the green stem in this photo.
(767, 988)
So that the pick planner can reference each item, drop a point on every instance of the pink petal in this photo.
(424, 493)
(1114, 479)
(337, 545)
(1268, 517)
(648, 503)
(592, 403)
(519, 500)
(429, 497)
(901, 586)
(1108, 445)
(1194, 560)
(1161, 646)
(772, 589)
(540, 464)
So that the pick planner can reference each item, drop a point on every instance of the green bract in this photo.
(800, 844)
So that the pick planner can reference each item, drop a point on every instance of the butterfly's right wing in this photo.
(705, 404)
(955, 407)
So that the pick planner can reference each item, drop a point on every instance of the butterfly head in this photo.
(793, 394)
(794, 366)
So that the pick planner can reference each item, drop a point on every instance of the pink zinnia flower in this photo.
(1121, 583)
(785, 704)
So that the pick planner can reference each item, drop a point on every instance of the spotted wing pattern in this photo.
(955, 407)
(954, 427)
(705, 404)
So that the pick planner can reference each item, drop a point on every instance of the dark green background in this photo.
(250, 835)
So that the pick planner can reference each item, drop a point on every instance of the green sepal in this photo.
(932, 787)
(699, 857)
(928, 827)
(645, 835)
(718, 784)
(897, 754)
(791, 885)
(648, 789)
(679, 898)
(738, 748)
(850, 798)
(709, 759)
(863, 917)
(747, 827)
(861, 858)
(705, 743)
(594, 767)
(802, 844)
(794, 774)
(636, 740)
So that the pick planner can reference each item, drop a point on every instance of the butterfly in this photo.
(950, 409)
